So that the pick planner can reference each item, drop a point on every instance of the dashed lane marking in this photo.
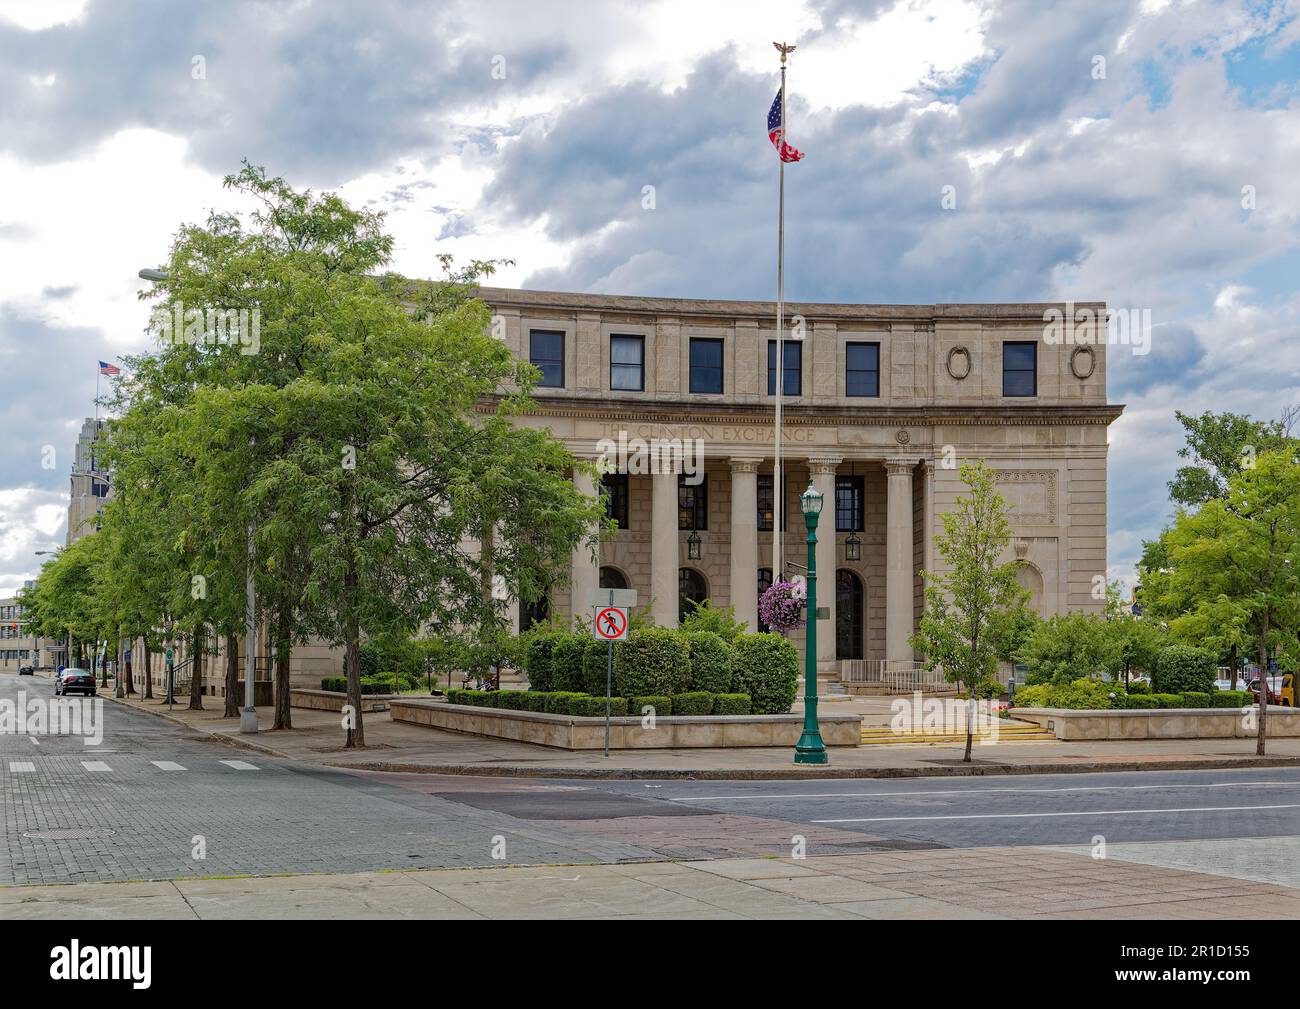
(240, 765)
(95, 765)
(167, 765)
(21, 767)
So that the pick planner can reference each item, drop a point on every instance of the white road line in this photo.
(95, 765)
(759, 796)
(21, 767)
(1032, 816)
(166, 765)
(240, 765)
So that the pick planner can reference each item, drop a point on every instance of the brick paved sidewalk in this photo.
(968, 883)
(318, 737)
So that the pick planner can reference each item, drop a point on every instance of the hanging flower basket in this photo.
(781, 607)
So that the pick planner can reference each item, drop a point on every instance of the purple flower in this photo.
(781, 608)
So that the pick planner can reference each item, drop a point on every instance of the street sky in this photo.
(529, 130)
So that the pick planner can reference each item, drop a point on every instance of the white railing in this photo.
(903, 677)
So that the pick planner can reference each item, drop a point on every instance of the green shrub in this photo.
(1133, 701)
(1181, 667)
(594, 707)
(1195, 699)
(710, 662)
(651, 661)
(537, 659)
(731, 704)
(766, 667)
(697, 702)
(335, 683)
(1139, 687)
(1231, 699)
(662, 704)
(453, 694)
(1033, 696)
(557, 701)
(477, 698)
(1082, 694)
(535, 700)
(595, 666)
(511, 700)
(719, 620)
(566, 662)
(1168, 700)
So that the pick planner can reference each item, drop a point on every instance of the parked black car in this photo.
(26, 671)
(75, 681)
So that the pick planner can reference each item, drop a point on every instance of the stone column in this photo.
(586, 570)
(665, 553)
(822, 469)
(898, 562)
(744, 540)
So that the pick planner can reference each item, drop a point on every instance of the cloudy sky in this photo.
(1141, 152)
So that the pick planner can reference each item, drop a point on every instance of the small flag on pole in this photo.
(109, 369)
(774, 133)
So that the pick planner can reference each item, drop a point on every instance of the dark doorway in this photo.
(848, 615)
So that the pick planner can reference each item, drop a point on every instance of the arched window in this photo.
(764, 583)
(612, 578)
(848, 615)
(690, 586)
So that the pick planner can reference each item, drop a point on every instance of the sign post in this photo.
(610, 625)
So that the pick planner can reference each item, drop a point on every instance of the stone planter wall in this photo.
(332, 700)
(570, 732)
(1159, 723)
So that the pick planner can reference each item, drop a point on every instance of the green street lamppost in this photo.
(810, 749)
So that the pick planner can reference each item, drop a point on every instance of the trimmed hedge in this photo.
(567, 655)
(654, 660)
(1168, 700)
(557, 701)
(1195, 699)
(1183, 668)
(710, 662)
(369, 684)
(697, 702)
(595, 661)
(731, 704)
(1231, 699)
(766, 667)
(594, 707)
(1132, 701)
(1138, 687)
(662, 704)
(537, 659)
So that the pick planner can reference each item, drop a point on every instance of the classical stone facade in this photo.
(883, 404)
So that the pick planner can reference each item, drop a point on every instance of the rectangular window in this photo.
(862, 369)
(1020, 369)
(692, 504)
(616, 498)
(849, 516)
(627, 363)
(766, 505)
(791, 371)
(706, 366)
(546, 353)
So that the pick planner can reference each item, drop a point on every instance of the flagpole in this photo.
(778, 490)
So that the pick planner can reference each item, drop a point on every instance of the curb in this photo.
(220, 737)
(801, 774)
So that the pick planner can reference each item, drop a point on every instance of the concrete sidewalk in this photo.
(970, 883)
(318, 737)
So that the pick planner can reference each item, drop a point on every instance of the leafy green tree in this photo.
(1219, 446)
(966, 603)
(1128, 644)
(720, 620)
(1065, 648)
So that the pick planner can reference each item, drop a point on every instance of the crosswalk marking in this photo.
(95, 765)
(240, 765)
(21, 767)
(166, 765)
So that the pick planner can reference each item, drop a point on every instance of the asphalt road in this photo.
(153, 800)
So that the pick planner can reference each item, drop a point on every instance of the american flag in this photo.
(786, 152)
(109, 369)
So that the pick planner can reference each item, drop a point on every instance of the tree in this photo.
(1064, 648)
(1129, 643)
(1220, 446)
(974, 595)
(1240, 556)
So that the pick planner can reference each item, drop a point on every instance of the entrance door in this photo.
(848, 615)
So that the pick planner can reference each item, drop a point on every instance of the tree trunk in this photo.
(119, 686)
(148, 667)
(1263, 687)
(283, 719)
(232, 676)
(352, 663)
(1232, 658)
(128, 668)
(102, 658)
(196, 672)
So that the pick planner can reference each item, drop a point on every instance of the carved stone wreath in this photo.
(1083, 362)
(901, 436)
(958, 363)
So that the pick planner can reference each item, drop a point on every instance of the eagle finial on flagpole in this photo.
(783, 49)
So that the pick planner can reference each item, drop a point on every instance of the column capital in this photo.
(900, 467)
(824, 465)
(745, 465)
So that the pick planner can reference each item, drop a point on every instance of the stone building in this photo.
(89, 484)
(881, 405)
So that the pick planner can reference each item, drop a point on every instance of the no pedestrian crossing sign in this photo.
(610, 623)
